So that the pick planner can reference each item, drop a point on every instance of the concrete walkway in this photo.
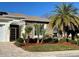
(10, 50)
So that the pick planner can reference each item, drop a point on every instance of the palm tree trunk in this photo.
(42, 40)
(28, 39)
(63, 32)
(24, 42)
(38, 40)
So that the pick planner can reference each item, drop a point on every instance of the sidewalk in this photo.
(71, 53)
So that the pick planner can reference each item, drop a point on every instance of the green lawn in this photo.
(50, 47)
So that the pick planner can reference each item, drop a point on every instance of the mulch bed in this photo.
(69, 44)
(64, 43)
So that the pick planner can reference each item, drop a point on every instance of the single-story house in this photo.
(12, 25)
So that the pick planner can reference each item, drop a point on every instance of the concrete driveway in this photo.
(8, 49)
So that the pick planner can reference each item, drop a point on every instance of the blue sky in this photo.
(30, 8)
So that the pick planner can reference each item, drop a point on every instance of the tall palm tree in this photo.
(43, 33)
(65, 16)
(38, 30)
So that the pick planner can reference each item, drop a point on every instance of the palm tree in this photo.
(38, 31)
(43, 33)
(65, 16)
(24, 37)
(28, 29)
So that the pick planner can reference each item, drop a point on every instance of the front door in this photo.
(14, 32)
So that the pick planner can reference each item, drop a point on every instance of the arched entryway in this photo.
(16, 27)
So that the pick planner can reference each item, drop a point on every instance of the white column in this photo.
(33, 35)
(45, 26)
(22, 28)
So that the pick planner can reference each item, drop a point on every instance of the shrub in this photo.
(47, 40)
(64, 40)
(32, 40)
(20, 40)
(55, 40)
(51, 40)
(67, 39)
(78, 42)
(73, 41)
(19, 44)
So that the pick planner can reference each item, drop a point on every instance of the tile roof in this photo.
(24, 17)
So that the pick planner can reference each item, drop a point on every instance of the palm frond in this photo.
(65, 16)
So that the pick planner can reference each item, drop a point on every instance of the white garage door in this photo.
(1, 33)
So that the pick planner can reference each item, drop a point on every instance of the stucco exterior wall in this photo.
(5, 32)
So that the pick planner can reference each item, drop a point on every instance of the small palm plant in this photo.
(28, 29)
(65, 16)
(24, 37)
